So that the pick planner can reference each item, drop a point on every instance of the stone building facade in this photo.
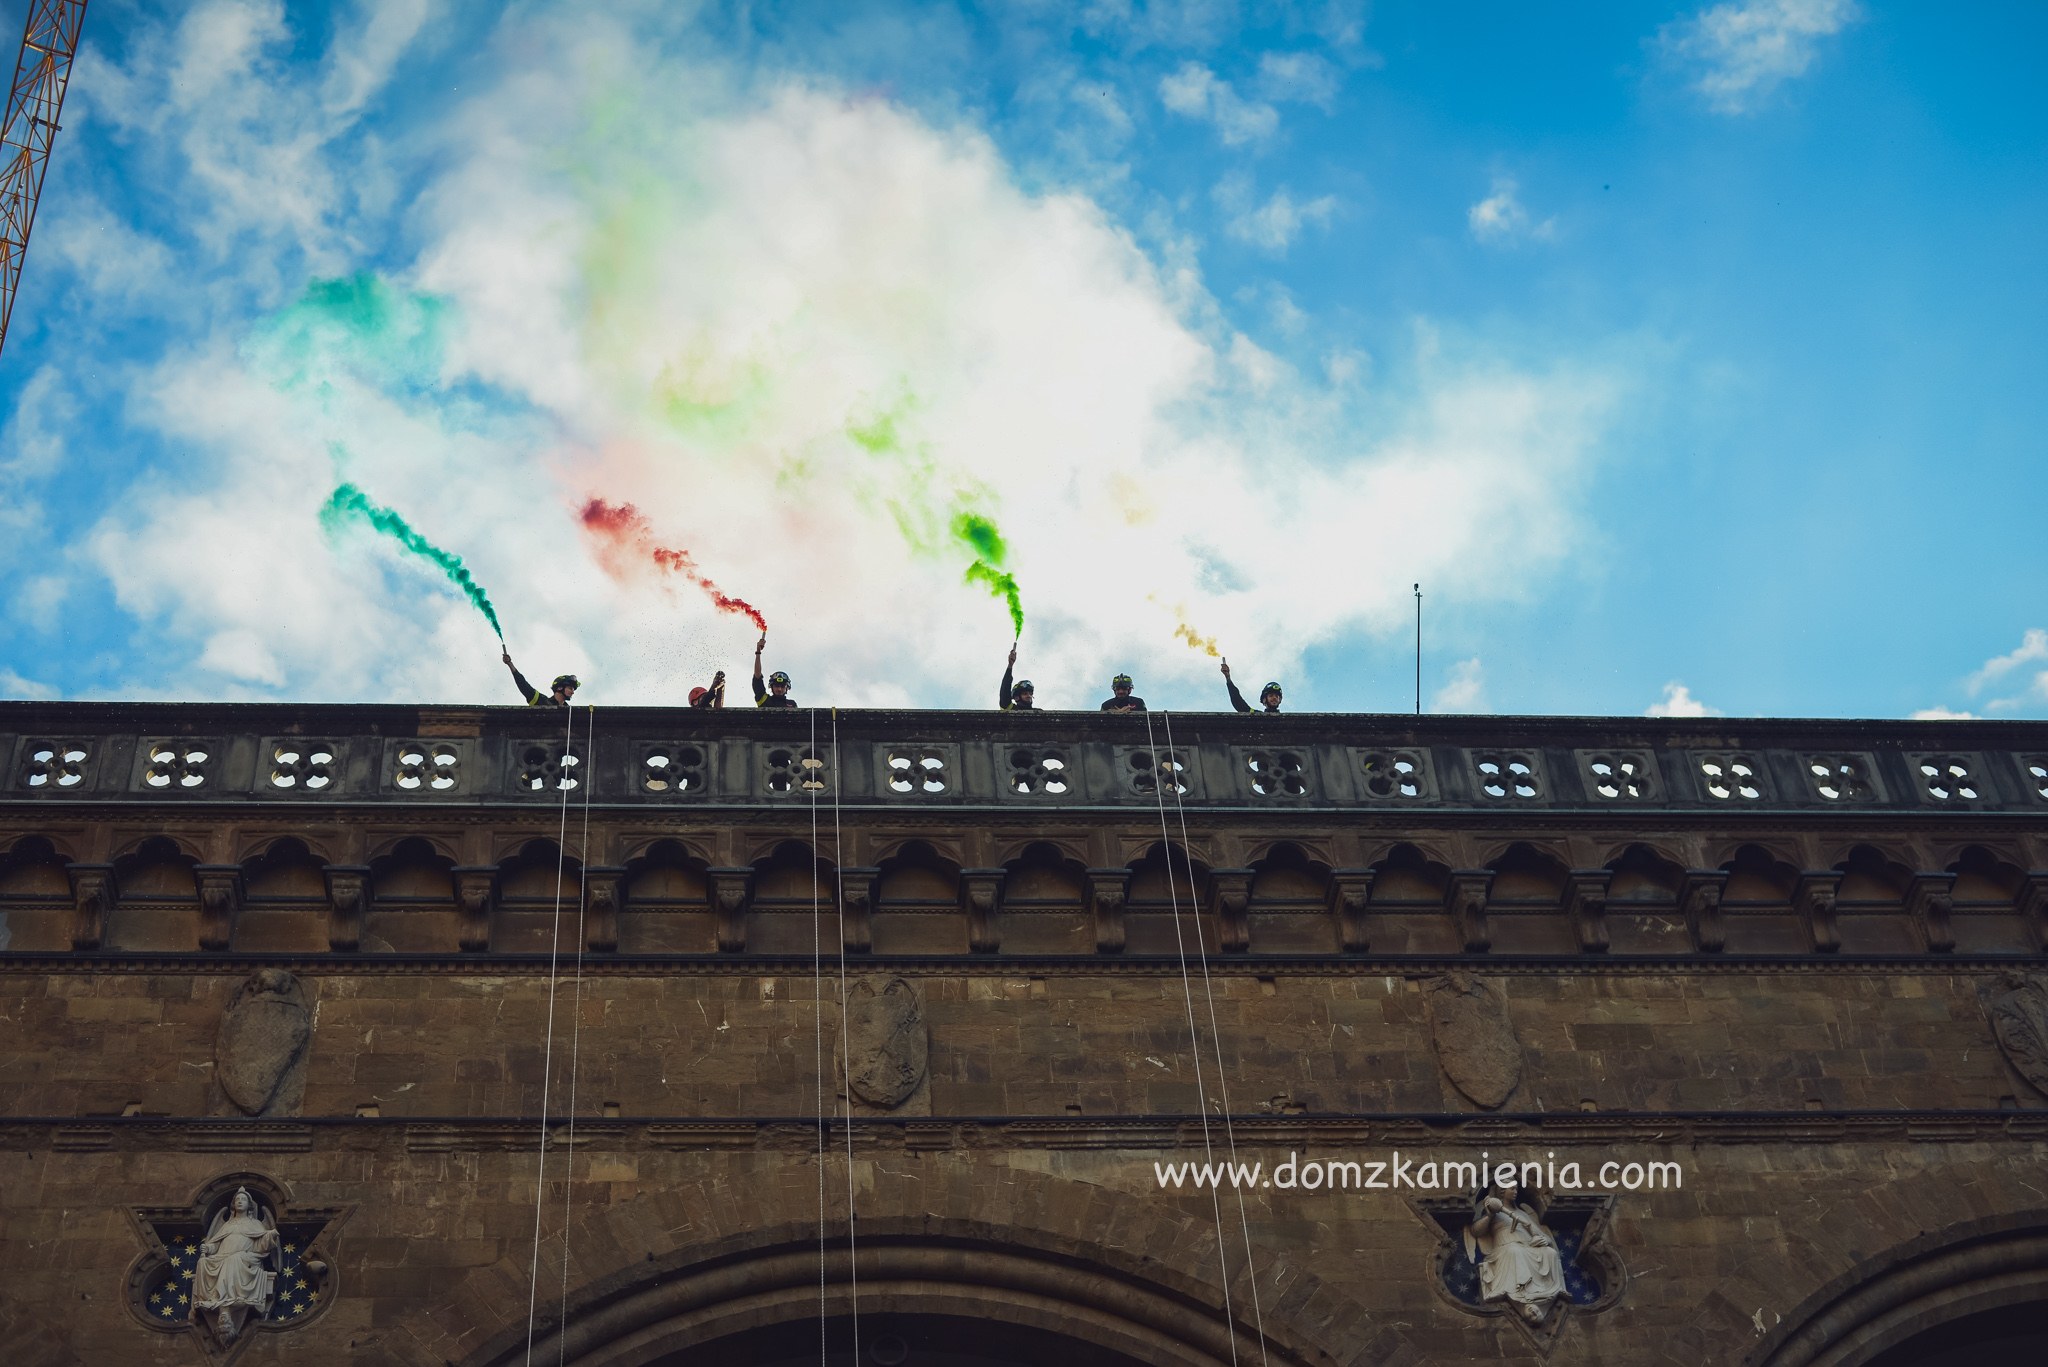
(579, 1038)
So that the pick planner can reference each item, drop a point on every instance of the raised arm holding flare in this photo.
(564, 687)
(776, 692)
(1014, 697)
(713, 696)
(1269, 696)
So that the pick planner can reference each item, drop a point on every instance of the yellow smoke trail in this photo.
(1205, 644)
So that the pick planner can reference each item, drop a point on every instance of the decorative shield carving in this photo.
(260, 1053)
(1475, 1042)
(2019, 1020)
(887, 1045)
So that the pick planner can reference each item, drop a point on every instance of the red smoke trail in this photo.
(622, 527)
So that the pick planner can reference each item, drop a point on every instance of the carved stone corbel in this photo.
(732, 892)
(1930, 903)
(1813, 897)
(1230, 899)
(1585, 905)
(348, 906)
(601, 884)
(1465, 897)
(1350, 894)
(1699, 898)
(857, 908)
(94, 895)
(1107, 892)
(2032, 905)
(220, 903)
(476, 893)
(981, 891)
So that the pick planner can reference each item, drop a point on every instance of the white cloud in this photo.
(1200, 93)
(1302, 77)
(13, 685)
(692, 304)
(1943, 714)
(1464, 691)
(1500, 218)
(1273, 225)
(32, 443)
(1739, 53)
(2020, 675)
(2032, 649)
(1678, 701)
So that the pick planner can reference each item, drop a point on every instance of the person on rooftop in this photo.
(1121, 699)
(713, 696)
(1269, 696)
(1014, 697)
(561, 690)
(776, 692)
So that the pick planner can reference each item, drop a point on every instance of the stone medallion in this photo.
(2018, 1008)
(1474, 1040)
(259, 1054)
(886, 1042)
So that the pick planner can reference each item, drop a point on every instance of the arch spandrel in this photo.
(690, 1264)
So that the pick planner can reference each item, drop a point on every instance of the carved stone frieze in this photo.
(982, 892)
(1350, 895)
(220, 903)
(1465, 894)
(1230, 894)
(1585, 903)
(732, 892)
(348, 905)
(1699, 898)
(1108, 889)
(857, 908)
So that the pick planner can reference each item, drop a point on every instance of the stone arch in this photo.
(414, 846)
(685, 1265)
(159, 897)
(664, 899)
(284, 867)
(412, 904)
(1045, 900)
(1041, 847)
(1644, 872)
(1940, 1278)
(1871, 875)
(1408, 872)
(1313, 851)
(1759, 874)
(917, 902)
(1722, 854)
(1984, 878)
(1526, 872)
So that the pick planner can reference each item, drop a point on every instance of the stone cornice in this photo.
(1340, 1137)
(668, 966)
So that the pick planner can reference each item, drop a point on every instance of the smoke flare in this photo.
(347, 502)
(1205, 644)
(624, 527)
(982, 536)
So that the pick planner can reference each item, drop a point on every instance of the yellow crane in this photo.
(34, 99)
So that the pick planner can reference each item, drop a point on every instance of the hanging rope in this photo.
(845, 1044)
(1163, 775)
(548, 1049)
(1216, 1041)
(576, 1017)
(809, 768)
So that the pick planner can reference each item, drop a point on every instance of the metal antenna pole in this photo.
(42, 70)
(1418, 650)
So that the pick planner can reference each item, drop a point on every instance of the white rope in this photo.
(817, 1015)
(576, 1016)
(845, 1044)
(1222, 1079)
(1162, 775)
(548, 1050)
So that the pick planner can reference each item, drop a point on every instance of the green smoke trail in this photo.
(348, 502)
(359, 326)
(982, 536)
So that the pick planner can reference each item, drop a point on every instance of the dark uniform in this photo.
(1006, 697)
(533, 696)
(763, 698)
(713, 696)
(1129, 703)
(1236, 698)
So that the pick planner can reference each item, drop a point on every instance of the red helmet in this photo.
(697, 693)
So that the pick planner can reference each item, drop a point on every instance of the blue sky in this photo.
(1683, 354)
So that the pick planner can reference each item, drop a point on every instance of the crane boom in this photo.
(34, 99)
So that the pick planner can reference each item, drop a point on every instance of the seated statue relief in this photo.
(1520, 1261)
(237, 1272)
